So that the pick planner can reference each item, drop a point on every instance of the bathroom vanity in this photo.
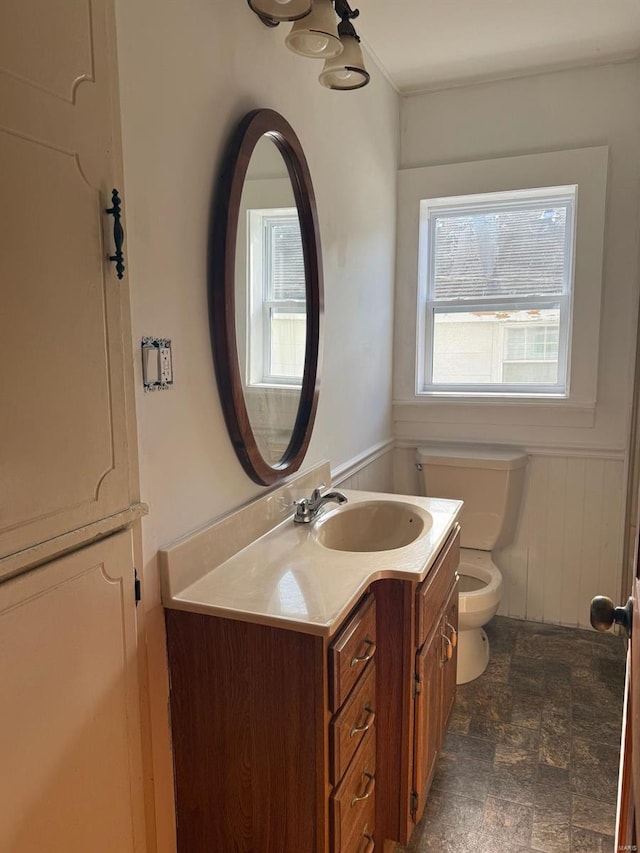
(310, 686)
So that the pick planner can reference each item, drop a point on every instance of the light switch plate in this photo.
(157, 364)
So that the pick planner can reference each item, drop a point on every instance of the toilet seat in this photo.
(479, 565)
(475, 609)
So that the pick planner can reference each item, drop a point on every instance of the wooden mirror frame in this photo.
(222, 262)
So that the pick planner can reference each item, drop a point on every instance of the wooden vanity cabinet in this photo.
(255, 713)
(286, 742)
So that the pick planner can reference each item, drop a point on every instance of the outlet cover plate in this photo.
(157, 364)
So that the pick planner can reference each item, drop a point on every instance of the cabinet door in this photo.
(449, 639)
(64, 315)
(428, 712)
(71, 775)
(434, 590)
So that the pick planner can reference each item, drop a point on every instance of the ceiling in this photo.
(431, 44)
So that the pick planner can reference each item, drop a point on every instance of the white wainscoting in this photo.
(569, 542)
(371, 471)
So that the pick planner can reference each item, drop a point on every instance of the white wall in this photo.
(188, 72)
(549, 112)
(563, 505)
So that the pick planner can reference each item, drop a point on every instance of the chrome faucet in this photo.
(307, 509)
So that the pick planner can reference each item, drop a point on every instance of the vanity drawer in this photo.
(362, 842)
(348, 729)
(350, 652)
(353, 802)
(432, 592)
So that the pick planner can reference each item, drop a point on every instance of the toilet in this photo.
(490, 482)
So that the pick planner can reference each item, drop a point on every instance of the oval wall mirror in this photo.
(266, 297)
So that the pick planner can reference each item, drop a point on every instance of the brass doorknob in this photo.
(604, 614)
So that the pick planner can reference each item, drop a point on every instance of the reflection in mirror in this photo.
(270, 300)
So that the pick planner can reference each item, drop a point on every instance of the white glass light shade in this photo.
(316, 36)
(346, 71)
(281, 10)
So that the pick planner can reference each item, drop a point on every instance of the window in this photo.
(496, 273)
(277, 313)
(531, 354)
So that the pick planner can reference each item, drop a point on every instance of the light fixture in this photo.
(316, 34)
(346, 71)
(271, 12)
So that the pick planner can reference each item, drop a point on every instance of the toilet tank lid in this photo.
(464, 456)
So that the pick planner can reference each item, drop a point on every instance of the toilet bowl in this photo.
(479, 593)
(490, 482)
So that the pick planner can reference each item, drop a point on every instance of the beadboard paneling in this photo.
(370, 473)
(569, 542)
(568, 545)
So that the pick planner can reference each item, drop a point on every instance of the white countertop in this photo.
(285, 578)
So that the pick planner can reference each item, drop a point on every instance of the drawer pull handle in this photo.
(369, 845)
(371, 715)
(454, 634)
(448, 649)
(368, 788)
(372, 650)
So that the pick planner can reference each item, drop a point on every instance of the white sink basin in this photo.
(372, 526)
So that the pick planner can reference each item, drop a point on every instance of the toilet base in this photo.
(473, 654)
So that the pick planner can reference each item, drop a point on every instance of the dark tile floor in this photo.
(530, 762)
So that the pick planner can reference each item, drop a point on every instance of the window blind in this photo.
(287, 279)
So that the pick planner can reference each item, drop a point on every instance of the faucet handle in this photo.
(304, 503)
(317, 492)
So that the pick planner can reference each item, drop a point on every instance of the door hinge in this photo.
(417, 685)
(414, 803)
(137, 589)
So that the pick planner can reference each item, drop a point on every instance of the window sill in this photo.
(496, 396)
(538, 411)
(261, 386)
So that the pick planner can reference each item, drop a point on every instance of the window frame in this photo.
(428, 306)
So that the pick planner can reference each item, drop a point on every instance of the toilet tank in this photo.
(490, 482)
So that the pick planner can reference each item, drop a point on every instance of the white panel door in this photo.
(63, 312)
(71, 779)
